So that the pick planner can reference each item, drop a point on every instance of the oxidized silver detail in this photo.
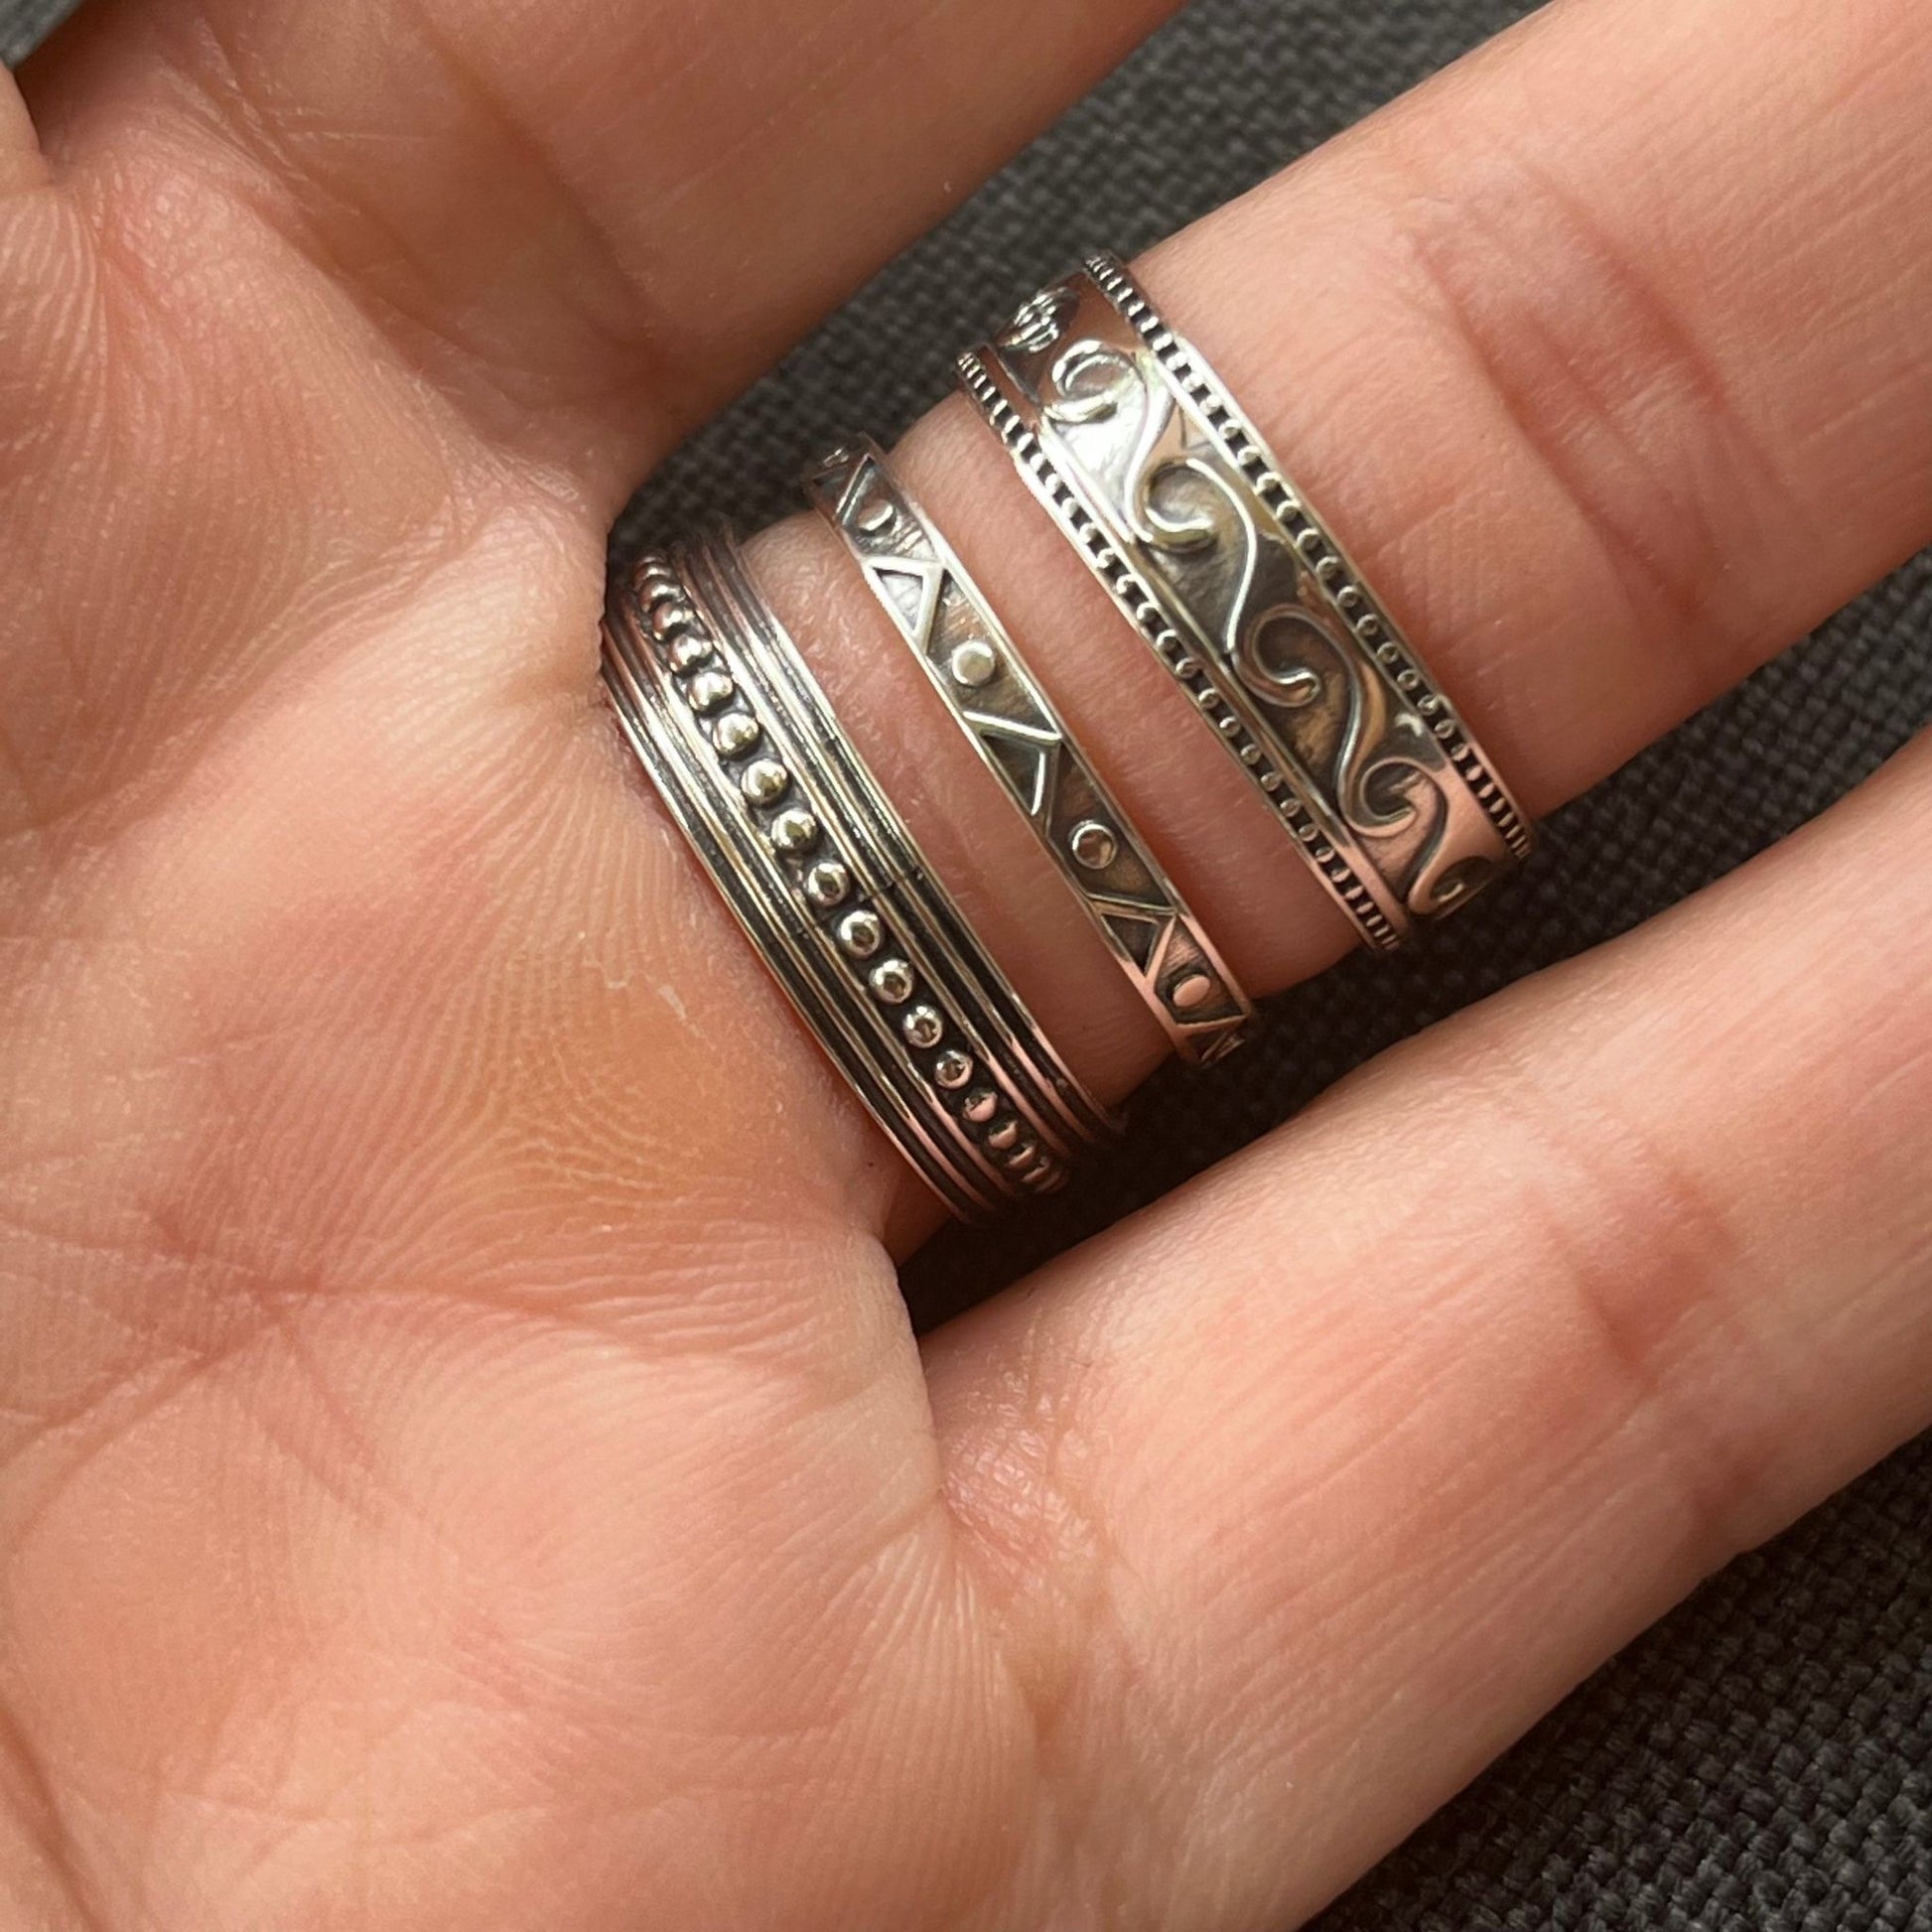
(765, 781)
(893, 981)
(976, 670)
(791, 877)
(828, 883)
(1183, 512)
(861, 934)
(923, 1026)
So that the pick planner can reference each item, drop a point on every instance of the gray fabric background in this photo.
(1764, 1758)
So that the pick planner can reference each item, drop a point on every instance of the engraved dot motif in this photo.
(860, 934)
(688, 649)
(765, 781)
(795, 831)
(1093, 844)
(923, 1026)
(953, 1069)
(1191, 990)
(892, 982)
(1006, 1134)
(827, 883)
(735, 734)
(1021, 1155)
(973, 664)
(709, 691)
(980, 1105)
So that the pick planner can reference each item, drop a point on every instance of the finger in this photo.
(1346, 1462)
(1615, 387)
(20, 163)
(1431, 456)
(588, 223)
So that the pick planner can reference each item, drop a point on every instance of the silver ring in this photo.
(827, 882)
(975, 666)
(1178, 506)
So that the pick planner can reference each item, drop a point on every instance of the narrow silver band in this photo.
(975, 666)
(1182, 511)
(827, 882)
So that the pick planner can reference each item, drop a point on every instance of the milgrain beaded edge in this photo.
(983, 1151)
(715, 836)
(1058, 1103)
(869, 889)
(1131, 592)
(1334, 567)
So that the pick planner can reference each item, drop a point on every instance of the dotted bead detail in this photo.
(892, 982)
(923, 1026)
(1190, 991)
(794, 830)
(735, 734)
(973, 664)
(709, 691)
(953, 1069)
(765, 781)
(860, 934)
(1093, 844)
(828, 883)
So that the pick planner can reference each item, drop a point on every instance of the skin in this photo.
(463, 1457)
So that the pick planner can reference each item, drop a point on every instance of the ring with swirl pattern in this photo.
(1173, 499)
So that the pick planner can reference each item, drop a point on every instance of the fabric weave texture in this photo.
(1762, 1760)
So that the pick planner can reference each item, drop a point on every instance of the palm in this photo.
(464, 1460)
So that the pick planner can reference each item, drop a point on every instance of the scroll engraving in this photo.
(1276, 634)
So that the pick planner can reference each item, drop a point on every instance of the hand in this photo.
(463, 1457)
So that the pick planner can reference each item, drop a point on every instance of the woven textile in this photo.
(1763, 1759)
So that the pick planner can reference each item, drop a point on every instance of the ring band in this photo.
(1183, 512)
(827, 882)
(974, 664)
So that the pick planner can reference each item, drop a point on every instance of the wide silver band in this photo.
(1181, 508)
(826, 881)
(978, 670)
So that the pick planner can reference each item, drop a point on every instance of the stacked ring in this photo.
(978, 670)
(1175, 501)
(828, 883)
(1180, 509)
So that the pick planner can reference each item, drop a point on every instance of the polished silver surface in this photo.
(1178, 506)
(826, 880)
(975, 666)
